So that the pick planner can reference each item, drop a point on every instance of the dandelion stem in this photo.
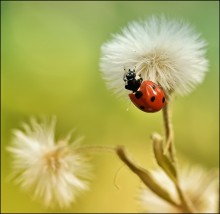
(145, 176)
(168, 133)
(187, 206)
(96, 148)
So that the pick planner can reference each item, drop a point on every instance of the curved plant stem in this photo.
(187, 206)
(169, 147)
(146, 177)
(96, 149)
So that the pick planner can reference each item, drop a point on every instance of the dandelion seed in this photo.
(52, 172)
(200, 187)
(167, 52)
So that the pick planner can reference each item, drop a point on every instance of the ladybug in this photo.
(146, 95)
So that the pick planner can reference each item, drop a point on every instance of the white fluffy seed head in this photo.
(52, 172)
(167, 52)
(200, 186)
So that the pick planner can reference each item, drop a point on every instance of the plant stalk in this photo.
(187, 206)
(169, 147)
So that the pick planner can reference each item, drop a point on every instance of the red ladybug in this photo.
(146, 95)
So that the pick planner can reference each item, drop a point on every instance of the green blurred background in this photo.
(50, 66)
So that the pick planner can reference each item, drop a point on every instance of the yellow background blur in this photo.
(50, 66)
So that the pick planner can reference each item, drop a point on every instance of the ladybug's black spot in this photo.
(152, 99)
(138, 94)
(154, 87)
(163, 99)
(141, 107)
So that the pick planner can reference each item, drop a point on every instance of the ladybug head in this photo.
(130, 74)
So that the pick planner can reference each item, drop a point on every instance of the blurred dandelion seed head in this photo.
(199, 186)
(53, 172)
(167, 52)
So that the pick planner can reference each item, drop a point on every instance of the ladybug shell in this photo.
(149, 97)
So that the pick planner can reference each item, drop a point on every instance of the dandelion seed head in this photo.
(199, 186)
(54, 173)
(168, 52)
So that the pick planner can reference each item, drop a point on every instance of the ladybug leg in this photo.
(124, 77)
(127, 87)
(141, 79)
